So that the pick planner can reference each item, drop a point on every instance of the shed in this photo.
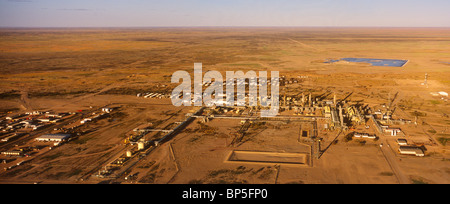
(13, 153)
(53, 138)
(408, 150)
(402, 142)
(443, 94)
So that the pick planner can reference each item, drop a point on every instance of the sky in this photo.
(224, 13)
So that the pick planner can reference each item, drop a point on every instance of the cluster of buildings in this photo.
(37, 144)
(57, 140)
(240, 99)
(19, 124)
(105, 111)
(406, 149)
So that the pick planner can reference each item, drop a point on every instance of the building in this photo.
(364, 135)
(393, 131)
(407, 150)
(12, 117)
(15, 126)
(107, 110)
(86, 120)
(402, 142)
(445, 94)
(27, 122)
(34, 113)
(53, 115)
(44, 120)
(54, 138)
(327, 110)
(13, 153)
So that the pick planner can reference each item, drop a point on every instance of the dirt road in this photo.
(305, 45)
(390, 158)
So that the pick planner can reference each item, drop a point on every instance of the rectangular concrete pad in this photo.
(267, 157)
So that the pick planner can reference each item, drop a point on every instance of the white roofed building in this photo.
(53, 138)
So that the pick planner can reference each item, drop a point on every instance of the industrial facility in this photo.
(317, 120)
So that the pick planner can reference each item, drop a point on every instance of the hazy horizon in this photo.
(220, 13)
(262, 27)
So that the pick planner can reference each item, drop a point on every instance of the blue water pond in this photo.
(374, 62)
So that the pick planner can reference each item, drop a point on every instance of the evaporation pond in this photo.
(374, 62)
